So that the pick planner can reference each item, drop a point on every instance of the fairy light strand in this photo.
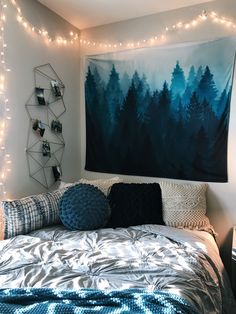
(72, 38)
(4, 103)
(154, 40)
(161, 37)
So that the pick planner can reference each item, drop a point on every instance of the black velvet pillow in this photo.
(135, 204)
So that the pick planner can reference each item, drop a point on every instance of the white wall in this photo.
(221, 196)
(26, 51)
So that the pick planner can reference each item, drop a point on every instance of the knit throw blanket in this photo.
(86, 301)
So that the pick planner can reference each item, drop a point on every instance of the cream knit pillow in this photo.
(103, 184)
(184, 205)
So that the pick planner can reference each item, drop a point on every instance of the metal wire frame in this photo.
(32, 151)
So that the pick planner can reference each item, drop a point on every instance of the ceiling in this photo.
(89, 13)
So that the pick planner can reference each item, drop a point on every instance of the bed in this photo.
(146, 268)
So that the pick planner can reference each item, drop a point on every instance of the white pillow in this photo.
(103, 184)
(184, 205)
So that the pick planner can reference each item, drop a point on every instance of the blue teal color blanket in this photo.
(86, 301)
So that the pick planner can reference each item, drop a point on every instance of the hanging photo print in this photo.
(160, 111)
(56, 88)
(56, 126)
(38, 127)
(40, 96)
(46, 149)
(56, 170)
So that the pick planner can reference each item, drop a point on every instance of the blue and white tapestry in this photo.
(160, 111)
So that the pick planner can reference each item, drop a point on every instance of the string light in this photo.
(4, 103)
(60, 40)
(154, 40)
(162, 36)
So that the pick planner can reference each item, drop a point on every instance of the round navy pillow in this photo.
(84, 207)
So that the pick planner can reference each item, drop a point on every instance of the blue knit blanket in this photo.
(86, 301)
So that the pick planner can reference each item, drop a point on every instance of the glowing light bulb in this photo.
(19, 18)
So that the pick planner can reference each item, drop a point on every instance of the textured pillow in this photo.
(28, 214)
(84, 207)
(184, 205)
(103, 184)
(135, 204)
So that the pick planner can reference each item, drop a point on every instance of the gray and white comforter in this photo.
(150, 257)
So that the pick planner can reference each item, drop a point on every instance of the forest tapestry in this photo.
(161, 111)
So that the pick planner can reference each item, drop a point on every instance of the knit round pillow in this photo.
(84, 207)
